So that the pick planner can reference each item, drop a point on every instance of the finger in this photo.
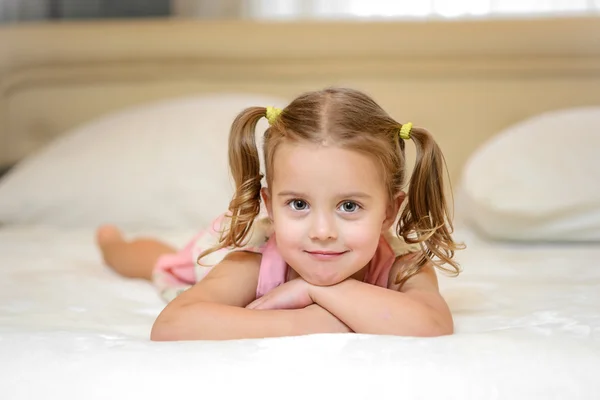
(259, 303)
(265, 303)
(254, 304)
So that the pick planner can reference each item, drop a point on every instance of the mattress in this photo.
(527, 326)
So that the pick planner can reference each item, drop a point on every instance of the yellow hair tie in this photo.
(272, 114)
(405, 131)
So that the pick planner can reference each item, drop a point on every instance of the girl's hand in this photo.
(291, 295)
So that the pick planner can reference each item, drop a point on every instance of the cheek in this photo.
(363, 240)
(362, 236)
(290, 245)
(289, 232)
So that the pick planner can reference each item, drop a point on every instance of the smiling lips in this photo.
(325, 255)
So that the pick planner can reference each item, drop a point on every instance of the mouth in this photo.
(325, 255)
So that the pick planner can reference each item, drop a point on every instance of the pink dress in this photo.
(176, 272)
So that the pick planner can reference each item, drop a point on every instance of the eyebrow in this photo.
(359, 195)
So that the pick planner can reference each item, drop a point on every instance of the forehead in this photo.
(302, 166)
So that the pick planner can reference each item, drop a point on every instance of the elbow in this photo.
(428, 326)
(182, 322)
(436, 328)
(160, 334)
(167, 327)
(163, 331)
(435, 324)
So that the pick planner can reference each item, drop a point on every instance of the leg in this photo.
(133, 259)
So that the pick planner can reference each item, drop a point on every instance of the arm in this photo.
(213, 309)
(417, 310)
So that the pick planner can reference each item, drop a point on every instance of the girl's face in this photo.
(329, 207)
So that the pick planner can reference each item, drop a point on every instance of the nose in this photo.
(323, 227)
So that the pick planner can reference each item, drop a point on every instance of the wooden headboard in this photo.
(464, 81)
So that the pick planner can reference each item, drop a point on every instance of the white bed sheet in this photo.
(527, 326)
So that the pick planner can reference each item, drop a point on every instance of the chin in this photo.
(324, 280)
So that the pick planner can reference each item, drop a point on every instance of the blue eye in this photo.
(349, 207)
(298, 205)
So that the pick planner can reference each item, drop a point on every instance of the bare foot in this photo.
(108, 237)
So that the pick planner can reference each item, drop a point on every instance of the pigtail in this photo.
(244, 165)
(425, 219)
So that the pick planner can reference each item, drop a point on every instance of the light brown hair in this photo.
(352, 120)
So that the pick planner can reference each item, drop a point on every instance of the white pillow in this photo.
(159, 165)
(538, 180)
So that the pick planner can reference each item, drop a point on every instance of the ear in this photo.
(266, 197)
(391, 212)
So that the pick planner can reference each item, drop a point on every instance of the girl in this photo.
(324, 257)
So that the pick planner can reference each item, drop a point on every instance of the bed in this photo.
(90, 110)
